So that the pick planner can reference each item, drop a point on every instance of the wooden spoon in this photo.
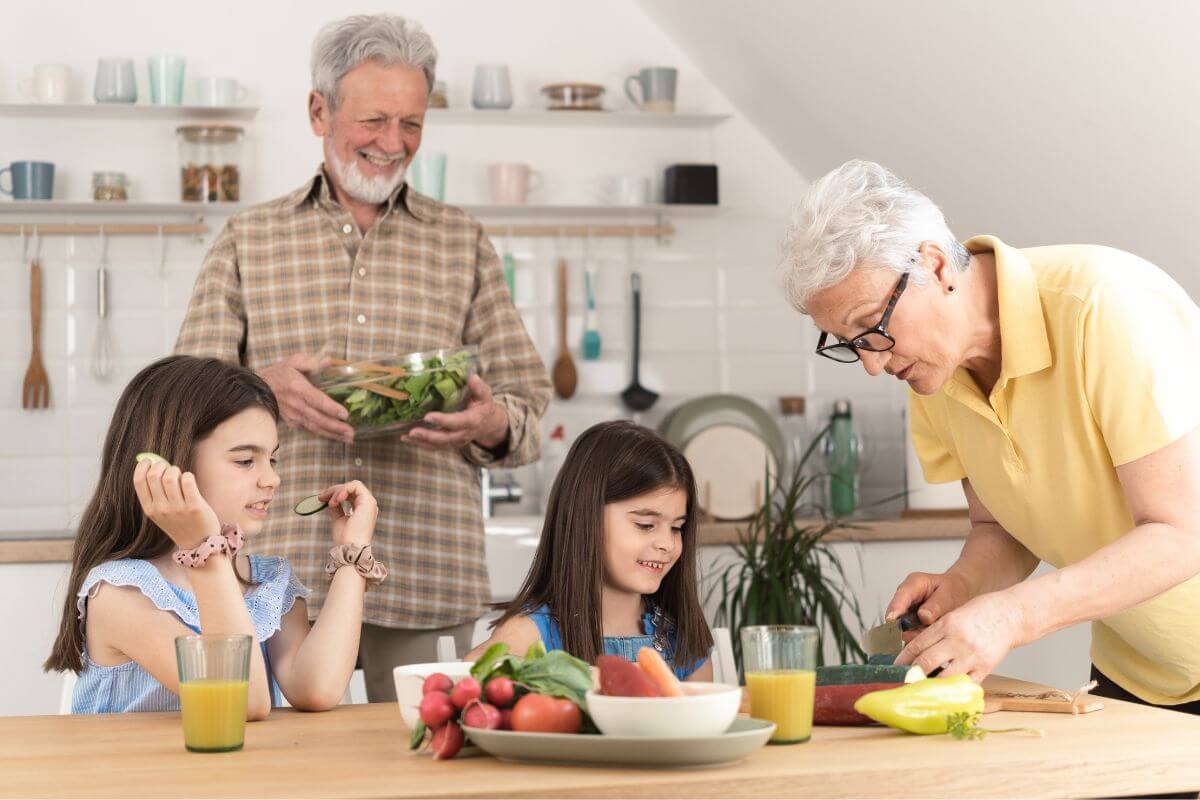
(563, 375)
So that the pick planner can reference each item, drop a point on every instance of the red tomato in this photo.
(537, 713)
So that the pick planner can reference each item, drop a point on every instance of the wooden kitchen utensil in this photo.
(563, 375)
(35, 390)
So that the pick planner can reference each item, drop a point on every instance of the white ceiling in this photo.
(1039, 121)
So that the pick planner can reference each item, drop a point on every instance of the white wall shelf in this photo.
(574, 119)
(114, 208)
(130, 111)
(534, 212)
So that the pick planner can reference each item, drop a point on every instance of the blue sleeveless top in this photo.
(624, 646)
(128, 687)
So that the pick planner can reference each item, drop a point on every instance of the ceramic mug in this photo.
(166, 80)
(115, 81)
(427, 175)
(218, 92)
(624, 190)
(656, 86)
(492, 88)
(511, 183)
(31, 180)
(51, 83)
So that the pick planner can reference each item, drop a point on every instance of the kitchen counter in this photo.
(55, 546)
(361, 751)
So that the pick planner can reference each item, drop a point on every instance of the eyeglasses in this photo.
(873, 340)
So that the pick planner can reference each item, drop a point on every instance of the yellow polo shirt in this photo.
(1100, 365)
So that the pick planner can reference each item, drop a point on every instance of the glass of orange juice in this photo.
(214, 678)
(781, 673)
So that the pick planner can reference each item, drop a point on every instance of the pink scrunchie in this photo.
(229, 541)
(364, 563)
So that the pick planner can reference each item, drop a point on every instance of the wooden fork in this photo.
(35, 391)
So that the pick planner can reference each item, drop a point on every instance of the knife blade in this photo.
(887, 639)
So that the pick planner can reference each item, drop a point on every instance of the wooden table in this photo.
(361, 751)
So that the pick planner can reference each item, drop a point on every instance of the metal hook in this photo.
(162, 253)
(37, 244)
(24, 249)
(103, 244)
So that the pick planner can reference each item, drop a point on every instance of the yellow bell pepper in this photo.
(924, 706)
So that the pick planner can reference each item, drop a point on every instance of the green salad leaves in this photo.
(436, 385)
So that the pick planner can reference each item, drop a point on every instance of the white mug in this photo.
(624, 190)
(51, 83)
(511, 183)
(218, 92)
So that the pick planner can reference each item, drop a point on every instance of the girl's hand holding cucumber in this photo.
(170, 498)
(359, 526)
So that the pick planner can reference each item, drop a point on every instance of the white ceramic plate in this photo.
(744, 736)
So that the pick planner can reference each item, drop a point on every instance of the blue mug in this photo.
(31, 180)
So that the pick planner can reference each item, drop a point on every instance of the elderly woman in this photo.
(1059, 384)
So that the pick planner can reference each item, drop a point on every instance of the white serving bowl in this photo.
(706, 709)
(410, 679)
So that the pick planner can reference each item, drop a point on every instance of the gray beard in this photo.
(364, 189)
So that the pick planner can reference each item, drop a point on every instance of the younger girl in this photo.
(615, 570)
(156, 551)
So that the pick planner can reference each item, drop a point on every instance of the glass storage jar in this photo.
(210, 163)
(109, 186)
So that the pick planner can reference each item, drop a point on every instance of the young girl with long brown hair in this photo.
(156, 554)
(616, 567)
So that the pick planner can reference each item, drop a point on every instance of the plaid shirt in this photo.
(295, 276)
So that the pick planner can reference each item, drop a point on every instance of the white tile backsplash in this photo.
(713, 320)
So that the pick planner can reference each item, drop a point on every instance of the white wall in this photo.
(1042, 123)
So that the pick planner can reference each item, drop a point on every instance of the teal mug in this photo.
(166, 80)
(29, 180)
(427, 175)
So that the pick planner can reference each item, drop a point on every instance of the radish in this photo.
(465, 691)
(436, 709)
(500, 692)
(506, 719)
(481, 715)
(447, 741)
(437, 682)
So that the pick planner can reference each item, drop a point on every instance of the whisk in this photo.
(101, 341)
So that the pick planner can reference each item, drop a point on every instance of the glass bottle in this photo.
(842, 450)
(796, 433)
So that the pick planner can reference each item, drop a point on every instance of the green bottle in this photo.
(842, 450)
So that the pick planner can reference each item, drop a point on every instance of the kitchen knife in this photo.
(886, 639)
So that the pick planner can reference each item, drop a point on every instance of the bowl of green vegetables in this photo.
(390, 395)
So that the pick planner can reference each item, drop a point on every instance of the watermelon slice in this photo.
(621, 678)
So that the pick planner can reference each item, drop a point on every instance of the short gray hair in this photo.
(860, 215)
(347, 43)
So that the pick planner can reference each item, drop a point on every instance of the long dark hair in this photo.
(167, 408)
(611, 462)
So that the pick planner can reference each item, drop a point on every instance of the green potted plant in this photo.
(783, 570)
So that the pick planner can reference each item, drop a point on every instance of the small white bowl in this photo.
(410, 680)
(706, 709)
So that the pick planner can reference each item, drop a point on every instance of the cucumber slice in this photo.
(848, 674)
(140, 457)
(310, 505)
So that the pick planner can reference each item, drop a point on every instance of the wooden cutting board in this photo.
(1008, 694)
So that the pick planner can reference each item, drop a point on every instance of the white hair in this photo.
(860, 215)
(388, 39)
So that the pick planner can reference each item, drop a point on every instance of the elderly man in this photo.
(1059, 384)
(353, 265)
